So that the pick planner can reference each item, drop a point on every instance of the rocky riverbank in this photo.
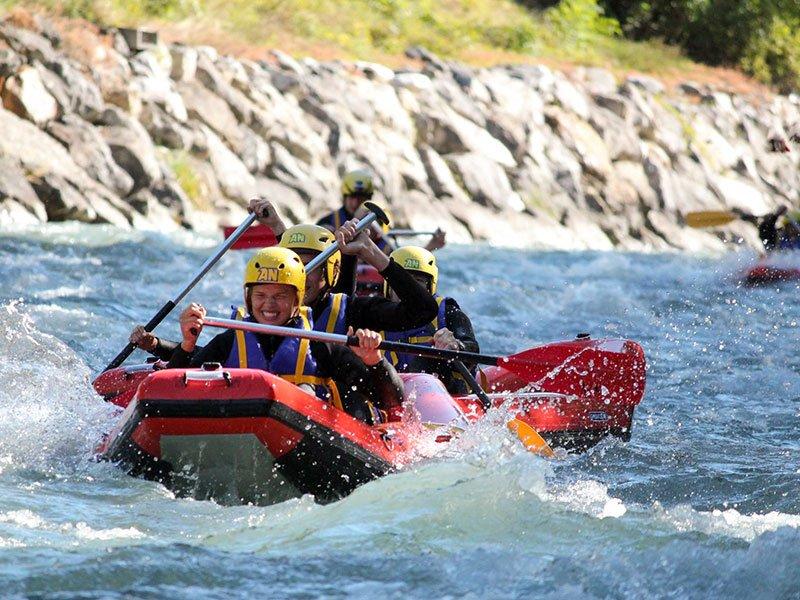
(115, 127)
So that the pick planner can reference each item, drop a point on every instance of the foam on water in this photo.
(51, 415)
(703, 502)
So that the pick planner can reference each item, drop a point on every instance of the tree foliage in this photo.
(761, 36)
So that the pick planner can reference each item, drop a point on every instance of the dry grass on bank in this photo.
(478, 32)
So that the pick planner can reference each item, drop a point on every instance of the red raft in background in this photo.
(246, 436)
(762, 274)
(774, 267)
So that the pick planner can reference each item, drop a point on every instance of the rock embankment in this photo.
(112, 128)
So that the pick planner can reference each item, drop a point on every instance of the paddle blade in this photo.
(257, 236)
(710, 218)
(532, 441)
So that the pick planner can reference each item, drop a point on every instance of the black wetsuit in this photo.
(355, 380)
(416, 306)
(768, 231)
(459, 323)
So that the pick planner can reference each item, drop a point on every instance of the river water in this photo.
(702, 502)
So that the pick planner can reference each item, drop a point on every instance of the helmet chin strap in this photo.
(247, 303)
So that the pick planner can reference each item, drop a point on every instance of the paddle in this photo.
(529, 437)
(408, 232)
(170, 304)
(710, 218)
(525, 364)
(261, 236)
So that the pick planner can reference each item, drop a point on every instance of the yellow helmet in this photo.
(314, 238)
(358, 183)
(792, 215)
(277, 265)
(415, 258)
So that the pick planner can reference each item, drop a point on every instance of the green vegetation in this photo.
(762, 37)
(181, 164)
(476, 31)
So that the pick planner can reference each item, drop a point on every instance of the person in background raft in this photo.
(274, 285)
(785, 237)
(357, 187)
(451, 329)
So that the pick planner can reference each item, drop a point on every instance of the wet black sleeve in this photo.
(458, 322)
(380, 383)
(217, 350)
(347, 276)
(768, 231)
(164, 349)
(416, 306)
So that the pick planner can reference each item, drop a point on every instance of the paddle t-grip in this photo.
(379, 213)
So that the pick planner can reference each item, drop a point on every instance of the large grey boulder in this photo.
(287, 199)
(234, 179)
(14, 186)
(205, 107)
(27, 43)
(25, 95)
(84, 94)
(447, 132)
(133, 151)
(62, 201)
(570, 98)
(255, 153)
(166, 130)
(91, 152)
(485, 181)
(208, 74)
(710, 147)
(620, 138)
(582, 139)
(596, 80)
(633, 174)
(184, 62)
(40, 154)
(668, 131)
(15, 215)
(659, 172)
(440, 177)
(737, 193)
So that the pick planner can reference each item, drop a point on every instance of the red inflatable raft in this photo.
(243, 435)
(765, 274)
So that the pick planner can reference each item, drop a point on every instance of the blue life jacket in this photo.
(332, 318)
(788, 245)
(421, 335)
(292, 360)
(335, 219)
